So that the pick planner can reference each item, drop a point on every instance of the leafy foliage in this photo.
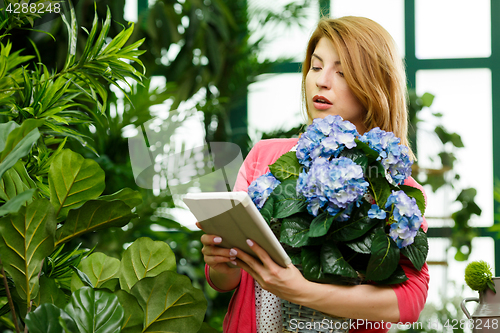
(445, 177)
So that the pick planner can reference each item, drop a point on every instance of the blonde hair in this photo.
(372, 67)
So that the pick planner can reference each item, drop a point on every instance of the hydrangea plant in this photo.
(341, 204)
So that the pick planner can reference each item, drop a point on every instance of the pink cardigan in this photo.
(241, 318)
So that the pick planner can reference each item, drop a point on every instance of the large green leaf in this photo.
(134, 316)
(15, 181)
(130, 197)
(101, 270)
(95, 311)
(49, 292)
(380, 189)
(321, 224)
(362, 244)
(73, 180)
(267, 210)
(295, 230)
(92, 216)
(333, 262)
(286, 200)
(286, 167)
(384, 259)
(145, 258)
(47, 318)
(371, 154)
(5, 129)
(26, 238)
(398, 276)
(414, 192)
(170, 303)
(311, 264)
(18, 143)
(358, 224)
(417, 252)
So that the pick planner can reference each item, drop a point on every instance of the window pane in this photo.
(388, 13)
(464, 98)
(274, 103)
(452, 29)
(281, 40)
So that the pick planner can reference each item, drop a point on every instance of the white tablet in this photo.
(234, 217)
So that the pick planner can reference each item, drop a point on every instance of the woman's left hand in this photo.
(286, 283)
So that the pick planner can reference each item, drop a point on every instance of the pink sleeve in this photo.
(412, 293)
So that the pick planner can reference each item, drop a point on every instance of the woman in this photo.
(352, 69)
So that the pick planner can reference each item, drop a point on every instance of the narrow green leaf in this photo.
(170, 303)
(26, 238)
(14, 204)
(72, 33)
(145, 258)
(73, 180)
(83, 277)
(92, 216)
(380, 189)
(95, 311)
(384, 258)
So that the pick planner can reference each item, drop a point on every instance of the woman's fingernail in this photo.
(232, 258)
(249, 242)
(233, 253)
(234, 263)
(217, 240)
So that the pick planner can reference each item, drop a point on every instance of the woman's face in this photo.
(327, 92)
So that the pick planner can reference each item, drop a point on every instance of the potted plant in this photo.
(341, 208)
(486, 317)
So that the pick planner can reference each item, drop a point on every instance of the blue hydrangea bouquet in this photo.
(340, 206)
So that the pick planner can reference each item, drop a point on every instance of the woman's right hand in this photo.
(217, 257)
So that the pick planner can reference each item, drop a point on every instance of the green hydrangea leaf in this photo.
(286, 200)
(320, 224)
(384, 258)
(333, 262)
(418, 250)
(286, 167)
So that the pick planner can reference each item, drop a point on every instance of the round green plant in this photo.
(478, 276)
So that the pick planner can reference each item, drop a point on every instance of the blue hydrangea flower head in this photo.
(376, 213)
(326, 137)
(260, 189)
(336, 184)
(394, 157)
(407, 218)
